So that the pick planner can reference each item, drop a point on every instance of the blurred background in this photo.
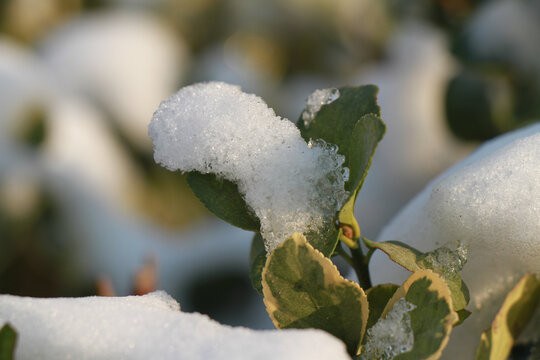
(84, 210)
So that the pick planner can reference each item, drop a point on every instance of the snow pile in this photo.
(315, 101)
(491, 203)
(147, 327)
(391, 335)
(216, 128)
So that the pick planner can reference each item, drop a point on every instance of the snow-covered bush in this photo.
(235, 148)
(296, 187)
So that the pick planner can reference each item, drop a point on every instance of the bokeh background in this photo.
(84, 210)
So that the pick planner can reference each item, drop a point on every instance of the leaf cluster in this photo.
(301, 286)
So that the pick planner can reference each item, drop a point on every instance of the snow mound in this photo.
(491, 203)
(292, 186)
(147, 327)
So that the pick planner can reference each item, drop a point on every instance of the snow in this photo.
(147, 327)
(391, 335)
(491, 203)
(215, 128)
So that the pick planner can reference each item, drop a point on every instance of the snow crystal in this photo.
(391, 335)
(215, 128)
(315, 101)
(491, 202)
(147, 327)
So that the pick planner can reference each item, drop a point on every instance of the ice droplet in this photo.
(314, 102)
(392, 335)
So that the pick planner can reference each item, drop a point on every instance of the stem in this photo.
(361, 267)
(359, 263)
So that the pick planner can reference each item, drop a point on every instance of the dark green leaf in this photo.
(366, 134)
(336, 122)
(8, 340)
(352, 122)
(221, 197)
(303, 289)
(516, 311)
(378, 297)
(257, 260)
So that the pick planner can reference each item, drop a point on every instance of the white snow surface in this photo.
(491, 203)
(292, 186)
(147, 327)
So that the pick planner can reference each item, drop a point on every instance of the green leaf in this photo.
(257, 260)
(366, 135)
(222, 197)
(352, 122)
(414, 260)
(516, 311)
(432, 319)
(303, 289)
(378, 296)
(8, 340)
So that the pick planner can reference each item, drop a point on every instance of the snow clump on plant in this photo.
(292, 186)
